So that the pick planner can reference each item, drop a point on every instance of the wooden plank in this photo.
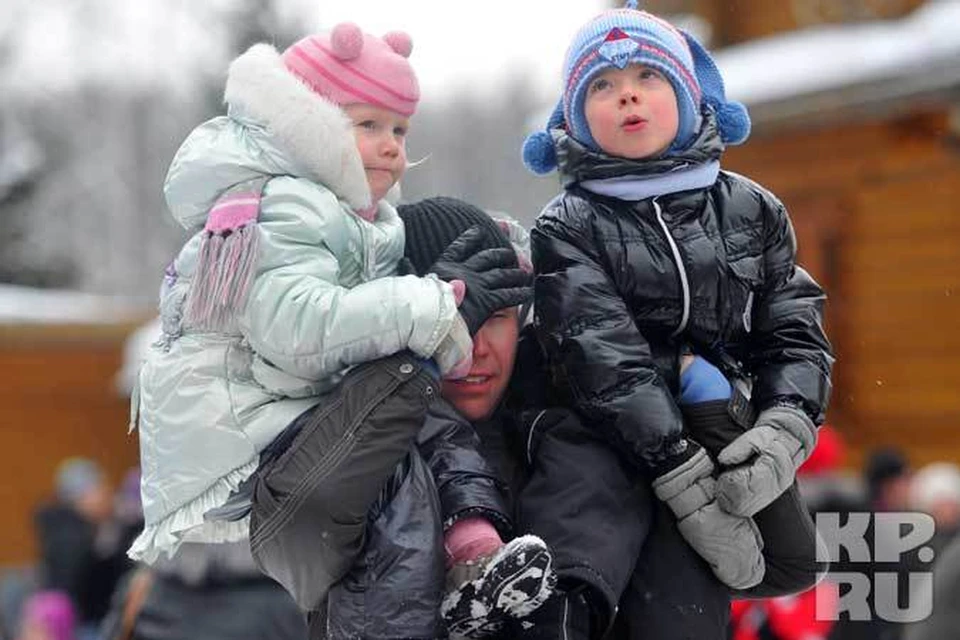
(58, 397)
(847, 157)
(877, 365)
(938, 341)
(29, 336)
(934, 433)
(909, 402)
(839, 142)
(908, 207)
(907, 286)
(898, 307)
(884, 253)
(34, 439)
(69, 370)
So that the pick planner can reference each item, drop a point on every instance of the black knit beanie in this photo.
(434, 223)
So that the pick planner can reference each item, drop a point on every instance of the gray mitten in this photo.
(782, 438)
(731, 545)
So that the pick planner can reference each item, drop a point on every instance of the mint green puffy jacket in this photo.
(324, 297)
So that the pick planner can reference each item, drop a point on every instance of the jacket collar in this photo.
(315, 133)
(577, 162)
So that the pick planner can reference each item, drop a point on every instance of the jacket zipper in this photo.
(684, 283)
(533, 429)
(366, 252)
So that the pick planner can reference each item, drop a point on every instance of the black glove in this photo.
(493, 280)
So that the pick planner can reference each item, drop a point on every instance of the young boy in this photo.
(652, 252)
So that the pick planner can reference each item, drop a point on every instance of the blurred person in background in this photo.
(944, 620)
(17, 584)
(84, 536)
(204, 592)
(886, 476)
(935, 490)
(114, 536)
(67, 530)
(48, 615)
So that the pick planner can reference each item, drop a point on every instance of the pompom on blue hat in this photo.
(539, 154)
(618, 38)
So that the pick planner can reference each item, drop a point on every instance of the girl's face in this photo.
(381, 139)
(632, 112)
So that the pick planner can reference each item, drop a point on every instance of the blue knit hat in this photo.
(621, 37)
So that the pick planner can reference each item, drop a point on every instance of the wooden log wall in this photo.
(877, 212)
(57, 400)
(735, 21)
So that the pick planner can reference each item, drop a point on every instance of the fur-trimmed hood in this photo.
(275, 126)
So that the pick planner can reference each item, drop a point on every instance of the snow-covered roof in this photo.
(27, 305)
(884, 59)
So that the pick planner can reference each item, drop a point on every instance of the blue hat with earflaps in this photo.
(620, 37)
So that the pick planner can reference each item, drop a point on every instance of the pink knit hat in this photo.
(348, 66)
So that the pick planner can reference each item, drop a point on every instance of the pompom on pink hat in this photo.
(347, 66)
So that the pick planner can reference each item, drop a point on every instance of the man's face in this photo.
(494, 350)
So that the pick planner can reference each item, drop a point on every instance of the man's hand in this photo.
(492, 278)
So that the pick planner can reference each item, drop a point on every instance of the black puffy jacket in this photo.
(622, 286)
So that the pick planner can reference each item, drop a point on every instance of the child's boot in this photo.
(511, 584)
(564, 616)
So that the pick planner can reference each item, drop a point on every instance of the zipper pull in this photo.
(748, 313)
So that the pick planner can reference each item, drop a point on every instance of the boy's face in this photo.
(494, 350)
(632, 112)
(381, 137)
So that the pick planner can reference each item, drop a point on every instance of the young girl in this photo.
(289, 283)
(651, 252)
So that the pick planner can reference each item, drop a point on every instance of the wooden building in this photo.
(60, 355)
(869, 167)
